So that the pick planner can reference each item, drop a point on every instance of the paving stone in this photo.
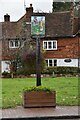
(42, 113)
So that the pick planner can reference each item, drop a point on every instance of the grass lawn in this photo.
(66, 90)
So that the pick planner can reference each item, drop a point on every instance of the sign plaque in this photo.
(38, 26)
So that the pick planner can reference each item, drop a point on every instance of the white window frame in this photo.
(47, 43)
(52, 62)
(14, 44)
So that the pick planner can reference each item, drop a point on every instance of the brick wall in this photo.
(55, 26)
(67, 48)
(14, 30)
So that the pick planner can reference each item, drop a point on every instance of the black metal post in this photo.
(38, 62)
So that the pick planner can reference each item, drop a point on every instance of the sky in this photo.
(16, 9)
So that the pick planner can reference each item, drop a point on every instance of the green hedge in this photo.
(62, 70)
(6, 75)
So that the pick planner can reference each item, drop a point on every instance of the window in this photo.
(67, 60)
(14, 44)
(50, 45)
(51, 62)
(45, 45)
(55, 62)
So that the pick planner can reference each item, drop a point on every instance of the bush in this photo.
(37, 88)
(6, 75)
(62, 70)
(27, 62)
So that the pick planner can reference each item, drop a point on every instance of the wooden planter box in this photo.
(39, 99)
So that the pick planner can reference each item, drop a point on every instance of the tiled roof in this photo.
(58, 24)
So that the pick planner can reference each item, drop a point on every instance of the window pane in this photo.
(45, 45)
(54, 44)
(11, 43)
(49, 45)
(55, 62)
(16, 43)
(50, 62)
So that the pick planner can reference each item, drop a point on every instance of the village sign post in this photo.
(37, 32)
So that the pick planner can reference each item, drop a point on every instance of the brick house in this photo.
(61, 41)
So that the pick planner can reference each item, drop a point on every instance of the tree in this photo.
(65, 6)
(26, 60)
(61, 6)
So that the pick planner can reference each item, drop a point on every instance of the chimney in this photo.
(29, 9)
(7, 18)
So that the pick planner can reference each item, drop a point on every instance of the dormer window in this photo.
(50, 45)
(14, 43)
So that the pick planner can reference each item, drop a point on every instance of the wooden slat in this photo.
(31, 95)
(40, 105)
(39, 99)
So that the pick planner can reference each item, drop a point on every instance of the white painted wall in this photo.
(73, 63)
(60, 62)
(5, 66)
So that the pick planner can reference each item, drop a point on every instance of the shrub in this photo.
(27, 63)
(62, 70)
(37, 88)
(6, 75)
